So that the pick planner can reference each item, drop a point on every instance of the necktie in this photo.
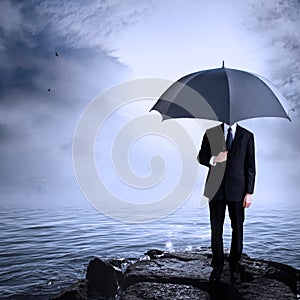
(229, 139)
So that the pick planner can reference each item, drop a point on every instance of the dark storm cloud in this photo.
(37, 126)
(83, 24)
(33, 31)
(7, 135)
(279, 22)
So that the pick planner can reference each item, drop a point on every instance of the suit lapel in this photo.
(222, 140)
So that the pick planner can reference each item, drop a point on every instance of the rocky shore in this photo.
(182, 275)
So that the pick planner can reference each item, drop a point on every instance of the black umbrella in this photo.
(223, 94)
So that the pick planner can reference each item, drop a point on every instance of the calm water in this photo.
(45, 249)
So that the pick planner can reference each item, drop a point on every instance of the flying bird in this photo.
(48, 90)
(56, 54)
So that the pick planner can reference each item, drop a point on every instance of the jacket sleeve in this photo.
(250, 166)
(204, 155)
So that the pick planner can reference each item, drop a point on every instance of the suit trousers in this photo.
(236, 211)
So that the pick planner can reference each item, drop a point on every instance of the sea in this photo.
(45, 248)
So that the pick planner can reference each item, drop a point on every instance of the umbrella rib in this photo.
(283, 108)
(193, 76)
(229, 112)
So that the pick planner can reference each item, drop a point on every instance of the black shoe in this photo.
(215, 275)
(235, 277)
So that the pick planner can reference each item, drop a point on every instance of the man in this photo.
(228, 152)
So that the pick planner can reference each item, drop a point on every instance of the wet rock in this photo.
(184, 275)
(265, 289)
(181, 269)
(154, 291)
(77, 291)
(273, 270)
(102, 279)
(155, 253)
(260, 279)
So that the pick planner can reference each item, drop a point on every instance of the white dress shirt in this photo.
(233, 130)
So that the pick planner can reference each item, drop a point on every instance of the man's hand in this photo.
(247, 200)
(221, 157)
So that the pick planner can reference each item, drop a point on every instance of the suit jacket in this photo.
(235, 177)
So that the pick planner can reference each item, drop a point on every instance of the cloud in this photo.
(84, 24)
(279, 22)
(10, 17)
(101, 42)
(37, 125)
(261, 36)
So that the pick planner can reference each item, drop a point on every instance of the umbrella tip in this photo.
(223, 64)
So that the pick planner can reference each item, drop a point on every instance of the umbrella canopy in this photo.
(223, 94)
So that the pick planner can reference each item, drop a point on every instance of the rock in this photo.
(180, 255)
(260, 279)
(155, 253)
(181, 269)
(77, 291)
(265, 289)
(154, 290)
(102, 279)
(183, 275)
(273, 270)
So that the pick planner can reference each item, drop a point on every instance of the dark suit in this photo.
(227, 184)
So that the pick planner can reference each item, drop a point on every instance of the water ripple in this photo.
(44, 250)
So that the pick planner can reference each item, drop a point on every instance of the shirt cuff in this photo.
(211, 162)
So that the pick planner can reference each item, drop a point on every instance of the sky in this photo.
(102, 44)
